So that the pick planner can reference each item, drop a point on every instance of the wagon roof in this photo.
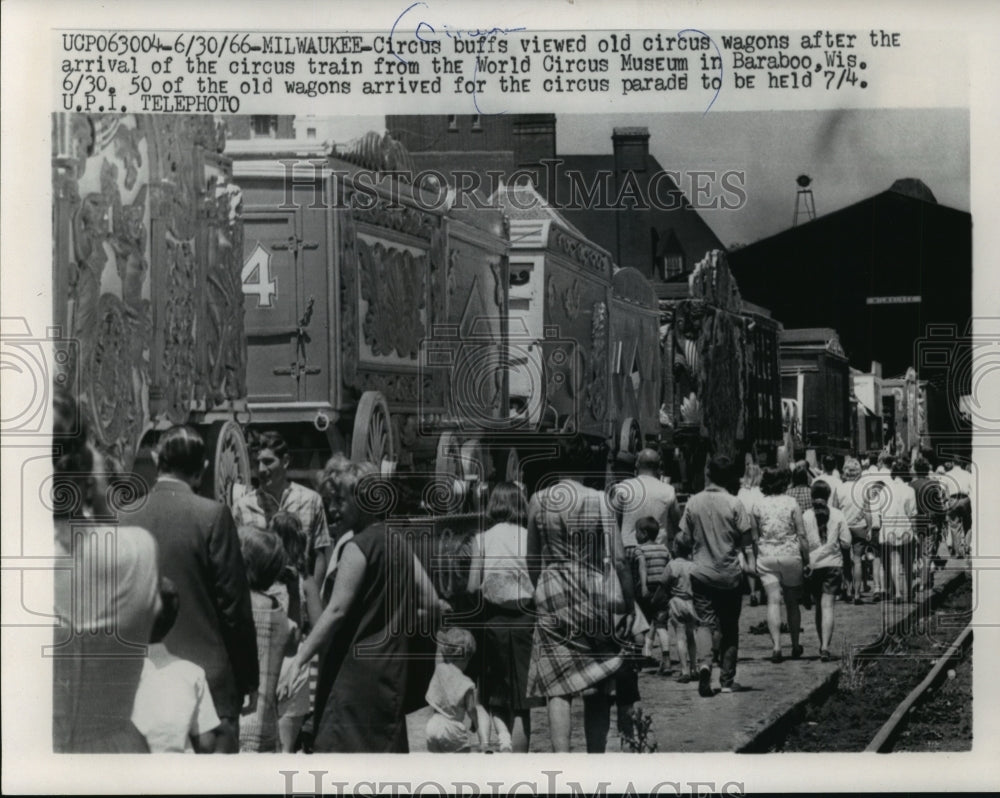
(522, 202)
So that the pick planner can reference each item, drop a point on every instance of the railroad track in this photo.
(885, 739)
(853, 715)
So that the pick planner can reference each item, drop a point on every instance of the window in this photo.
(673, 266)
(264, 127)
(670, 260)
(310, 132)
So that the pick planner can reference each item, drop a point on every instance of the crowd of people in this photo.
(296, 620)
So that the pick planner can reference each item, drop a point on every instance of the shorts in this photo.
(785, 571)
(825, 581)
(655, 614)
(682, 611)
(859, 542)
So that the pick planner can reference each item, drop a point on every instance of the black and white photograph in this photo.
(445, 382)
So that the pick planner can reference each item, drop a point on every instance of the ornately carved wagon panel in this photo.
(390, 259)
(224, 365)
(475, 301)
(101, 265)
(635, 350)
(189, 193)
(577, 357)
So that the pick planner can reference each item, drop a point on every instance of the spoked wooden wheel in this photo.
(448, 463)
(475, 466)
(630, 438)
(372, 439)
(512, 466)
(229, 474)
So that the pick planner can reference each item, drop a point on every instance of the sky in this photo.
(850, 155)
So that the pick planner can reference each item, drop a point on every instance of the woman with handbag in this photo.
(577, 563)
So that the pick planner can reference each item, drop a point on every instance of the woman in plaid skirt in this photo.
(576, 560)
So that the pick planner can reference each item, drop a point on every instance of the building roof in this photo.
(913, 187)
(690, 229)
(808, 335)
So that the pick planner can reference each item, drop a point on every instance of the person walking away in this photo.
(717, 529)
(499, 572)
(932, 504)
(676, 590)
(574, 556)
(826, 532)
(848, 497)
(799, 490)
(830, 474)
(898, 533)
(651, 560)
(832, 477)
(265, 560)
(199, 551)
(958, 483)
(173, 706)
(452, 694)
(749, 493)
(644, 495)
(781, 557)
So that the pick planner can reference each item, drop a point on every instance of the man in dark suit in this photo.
(199, 550)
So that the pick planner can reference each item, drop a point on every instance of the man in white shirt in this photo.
(899, 536)
(643, 495)
(830, 474)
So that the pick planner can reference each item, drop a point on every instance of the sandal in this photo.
(684, 678)
(825, 655)
(776, 657)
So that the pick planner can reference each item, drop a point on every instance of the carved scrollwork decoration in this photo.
(393, 283)
(572, 299)
(349, 300)
(224, 334)
(403, 220)
(180, 313)
(597, 389)
(113, 403)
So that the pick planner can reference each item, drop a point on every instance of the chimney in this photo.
(533, 138)
(632, 217)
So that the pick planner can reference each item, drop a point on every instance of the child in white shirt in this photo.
(173, 706)
(452, 694)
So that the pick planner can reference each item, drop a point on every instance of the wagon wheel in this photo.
(476, 471)
(228, 476)
(475, 466)
(630, 438)
(512, 466)
(448, 464)
(372, 438)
